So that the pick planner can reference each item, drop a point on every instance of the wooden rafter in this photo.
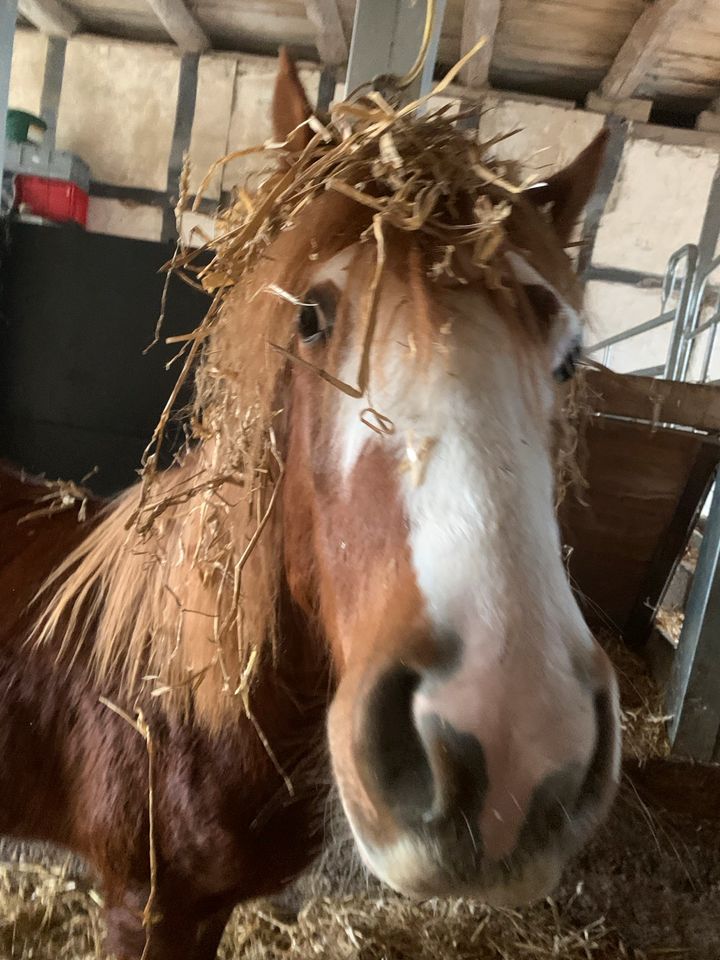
(480, 19)
(181, 24)
(50, 17)
(331, 42)
(637, 55)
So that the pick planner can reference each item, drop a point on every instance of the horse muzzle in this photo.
(439, 810)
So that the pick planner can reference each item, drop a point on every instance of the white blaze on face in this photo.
(471, 438)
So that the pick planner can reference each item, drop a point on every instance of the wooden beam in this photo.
(687, 790)
(480, 19)
(181, 25)
(652, 30)
(330, 36)
(50, 16)
(694, 405)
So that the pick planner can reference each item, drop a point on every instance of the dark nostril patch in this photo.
(552, 807)
(395, 755)
(460, 769)
(563, 795)
(599, 772)
(427, 773)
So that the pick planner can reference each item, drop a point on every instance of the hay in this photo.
(643, 719)
(390, 928)
(422, 176)
(670, 620)
(53, 911)
(47, 914)
(47, 910)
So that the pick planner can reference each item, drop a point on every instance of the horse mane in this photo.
(178, 581)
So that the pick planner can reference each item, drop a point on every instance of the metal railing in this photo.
(678, 305)
(686, 295)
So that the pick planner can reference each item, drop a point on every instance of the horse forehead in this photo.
(464, 392)
(335, 268)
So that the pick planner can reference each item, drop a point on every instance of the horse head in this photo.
(474, 732)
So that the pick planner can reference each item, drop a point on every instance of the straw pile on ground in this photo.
(648, 888)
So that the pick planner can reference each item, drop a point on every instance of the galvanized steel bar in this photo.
(182, 133)
(693, 698)
(688, 253)
(632, 332)
(8, 16)
(52, 88)
(386, 38)
(326, 88)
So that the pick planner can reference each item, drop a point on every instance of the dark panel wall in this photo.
(76, 312)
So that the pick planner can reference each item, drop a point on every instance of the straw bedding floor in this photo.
(648, 888)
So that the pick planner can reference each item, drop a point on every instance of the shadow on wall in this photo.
(77, 310)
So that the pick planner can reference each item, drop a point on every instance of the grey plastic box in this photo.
(38, 161)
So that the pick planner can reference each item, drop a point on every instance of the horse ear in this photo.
(570, 189)
(290, 106)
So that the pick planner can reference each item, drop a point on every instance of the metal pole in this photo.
(8, 16)
(690, 254)
(707, 245)
(386, 39)
(693, 698)
(52, 88)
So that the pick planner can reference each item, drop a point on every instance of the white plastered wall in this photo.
(27, 71)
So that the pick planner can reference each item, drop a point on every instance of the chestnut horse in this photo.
(407, 579)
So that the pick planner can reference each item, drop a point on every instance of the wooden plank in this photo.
(577, 33)
(639, 53)
(671, 545)
(331, 43)
(636, 477)
(480, 19)
(654, 401)
(689, 790)
(181, 25)
(50, 16)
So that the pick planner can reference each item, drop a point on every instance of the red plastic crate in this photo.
(58, 200)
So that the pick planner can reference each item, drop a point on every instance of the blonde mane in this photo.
(177, 583)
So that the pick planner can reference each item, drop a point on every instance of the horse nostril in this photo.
(424, 770)
(568, 793)
(601, 768)
(395, 756)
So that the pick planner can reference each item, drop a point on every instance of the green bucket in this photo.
(18, 123)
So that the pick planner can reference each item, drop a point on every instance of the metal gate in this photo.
(690, 302)
(690, 305)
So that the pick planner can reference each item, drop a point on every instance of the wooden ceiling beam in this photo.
(330, 37)
(480, 19)
(181, 25)
(50, 17)
(653, 28)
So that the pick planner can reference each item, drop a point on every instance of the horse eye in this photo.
(310, 325)
(317, 313)
(567, 368)
(543, 301)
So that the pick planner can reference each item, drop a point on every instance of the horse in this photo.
(351, 579)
